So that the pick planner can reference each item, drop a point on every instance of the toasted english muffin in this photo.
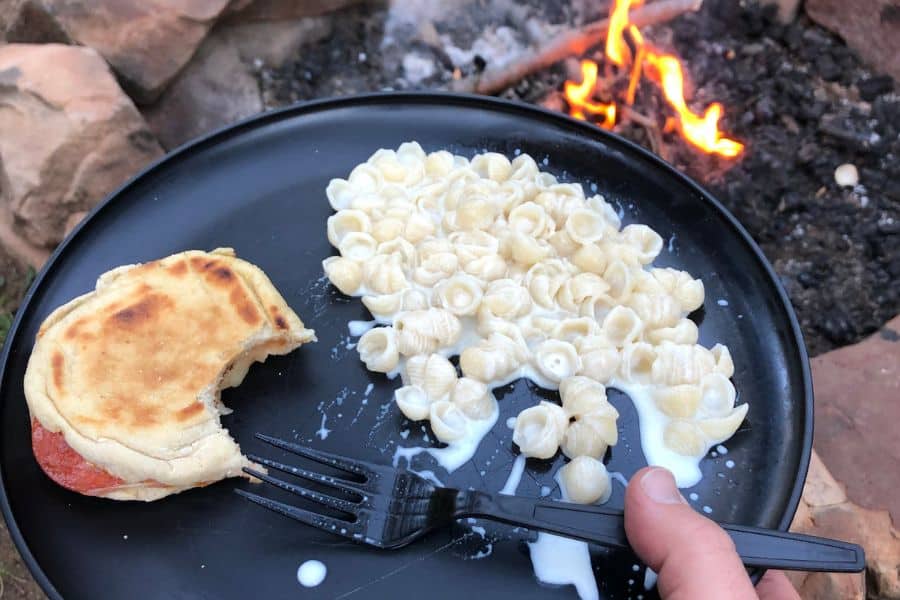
(123, 384)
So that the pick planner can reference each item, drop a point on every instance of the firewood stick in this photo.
(571, 43)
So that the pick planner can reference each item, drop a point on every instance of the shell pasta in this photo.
(522, 276)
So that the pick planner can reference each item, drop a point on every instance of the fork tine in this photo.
(325, 499)
(329, 524)
(326, 458)
(336, 482)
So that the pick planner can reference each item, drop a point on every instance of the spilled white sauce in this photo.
(650, 577)
(311, 573)
(323, 431)
(515, 476)
(616, 476)
(564, 561)
(429, 476)
(488, 548)
(357, 328)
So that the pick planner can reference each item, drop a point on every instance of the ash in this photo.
(795, 95)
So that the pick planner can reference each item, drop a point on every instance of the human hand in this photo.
(694, 557)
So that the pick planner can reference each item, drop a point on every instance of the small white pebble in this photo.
(707, 509)
(722, 302)
(635, 568)
(729, 464)
(124, 537)
(721, 449)
(694, 496)
(202, 566)
(846, 175)
(361, 57)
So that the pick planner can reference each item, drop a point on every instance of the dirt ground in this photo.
(15, 580)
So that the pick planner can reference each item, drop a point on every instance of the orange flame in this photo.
(638, 63)
(578, 96)
(700, 131)
(616, 48)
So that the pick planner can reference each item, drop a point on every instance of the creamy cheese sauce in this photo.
(455, 454)
(686, 469)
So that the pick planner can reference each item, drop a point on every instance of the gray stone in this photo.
(219, 85)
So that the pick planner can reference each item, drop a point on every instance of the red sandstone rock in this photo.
(274, 10)
(857, 411)
(870, 27)
(68, 137)
(825, 511)
(146, 42)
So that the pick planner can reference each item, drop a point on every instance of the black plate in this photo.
(259, 187)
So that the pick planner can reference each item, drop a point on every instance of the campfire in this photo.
(628, 56)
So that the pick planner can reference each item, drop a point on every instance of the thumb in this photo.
(694, 557)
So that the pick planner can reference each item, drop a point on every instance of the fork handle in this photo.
(757, 547)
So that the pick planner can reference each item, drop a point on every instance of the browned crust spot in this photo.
(73, 330)
(189, 411)
(137, 414)
(57, 363)
(280, 321)
(178, 269)
(144, 311)
(244, 306)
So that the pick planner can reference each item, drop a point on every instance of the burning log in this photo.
(572, 43)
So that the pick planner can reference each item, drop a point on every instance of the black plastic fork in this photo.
(389, 508)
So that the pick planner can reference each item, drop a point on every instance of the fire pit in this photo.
(789, 104)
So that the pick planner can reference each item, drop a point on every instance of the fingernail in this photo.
(659, 485)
